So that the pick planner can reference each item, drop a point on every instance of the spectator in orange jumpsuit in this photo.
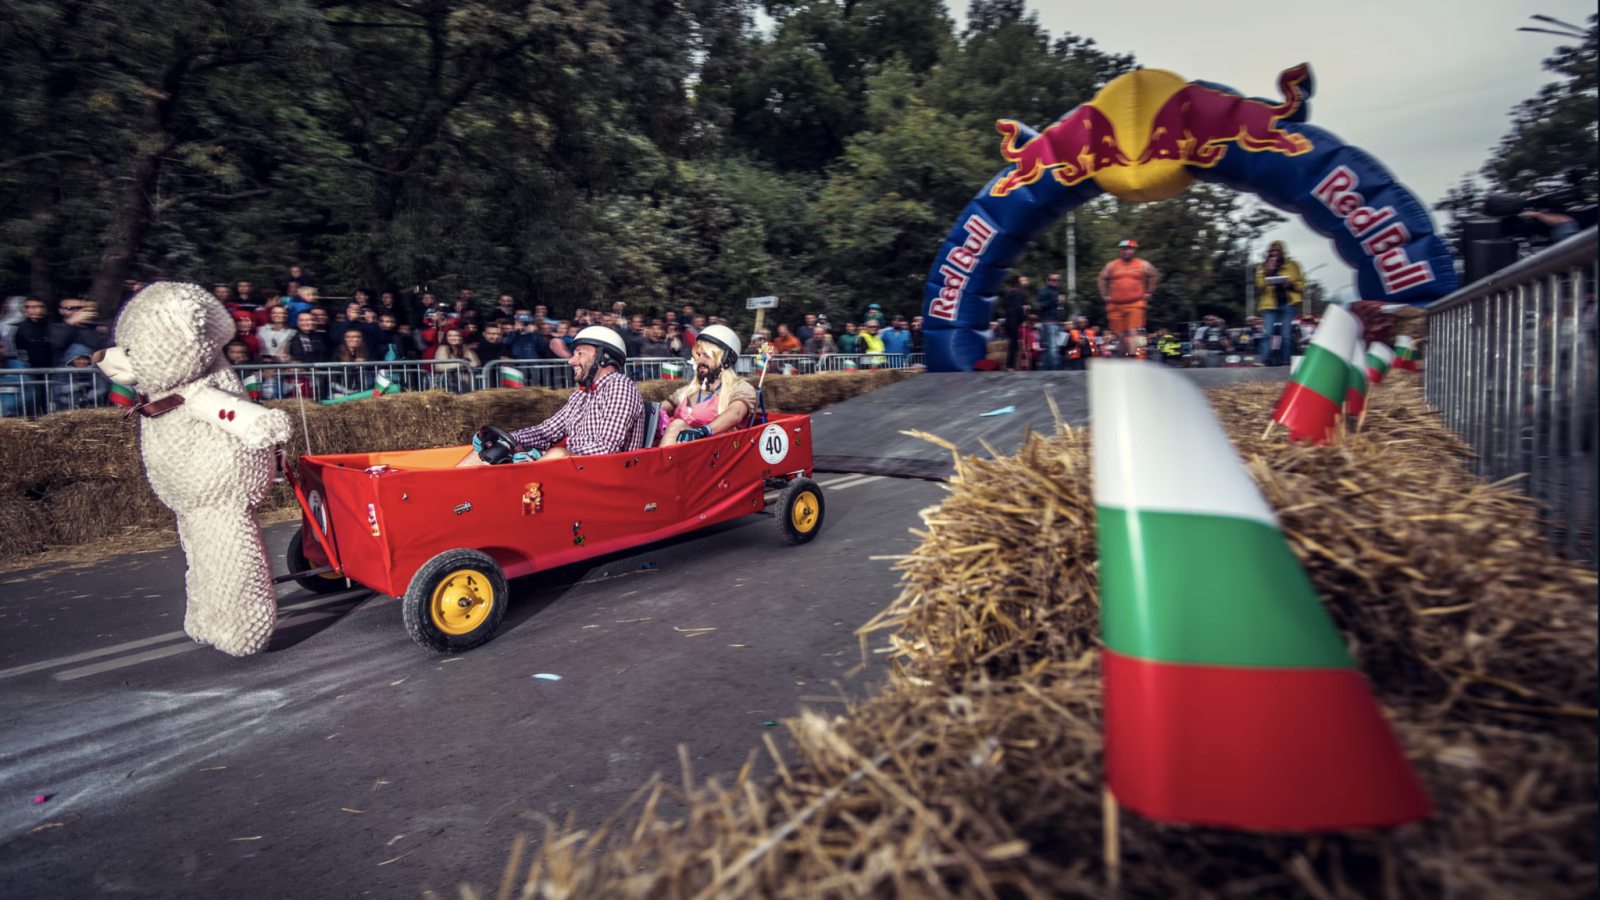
(1126, 284)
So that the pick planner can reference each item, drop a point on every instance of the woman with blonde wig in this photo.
(717, 399)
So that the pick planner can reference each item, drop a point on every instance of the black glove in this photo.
(694, 434)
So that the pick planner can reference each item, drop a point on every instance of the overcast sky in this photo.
(1423, 85)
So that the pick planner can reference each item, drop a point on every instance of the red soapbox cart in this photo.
(445, 540)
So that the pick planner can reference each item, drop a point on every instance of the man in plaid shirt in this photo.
(604, 415)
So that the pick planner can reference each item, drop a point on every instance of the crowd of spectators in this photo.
(291, 322)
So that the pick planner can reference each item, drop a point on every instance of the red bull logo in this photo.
(1196, 124)
(1078, 145)
(957, 268)
(1383, 236)
(1138, 134)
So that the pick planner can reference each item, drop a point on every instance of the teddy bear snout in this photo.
(115, 363)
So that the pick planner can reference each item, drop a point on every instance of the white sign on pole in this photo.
(761, 303)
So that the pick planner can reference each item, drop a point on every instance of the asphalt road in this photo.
(348, 761)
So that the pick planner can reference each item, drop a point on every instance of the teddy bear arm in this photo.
(255, 426)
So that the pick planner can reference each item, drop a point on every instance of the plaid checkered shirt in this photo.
(607, 417)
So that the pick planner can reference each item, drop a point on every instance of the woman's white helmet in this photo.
(607, 343)
(723, 337)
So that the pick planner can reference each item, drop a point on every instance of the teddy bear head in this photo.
(168, 335)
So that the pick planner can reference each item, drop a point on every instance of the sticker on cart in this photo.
(774, 444)
(318, 511)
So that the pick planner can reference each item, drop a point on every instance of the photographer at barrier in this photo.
(1280, 282)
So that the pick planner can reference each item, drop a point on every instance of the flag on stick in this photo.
(1379, 359)
(1405, 354)
(252, 384)
(1228, 701)
(1355, 397)
(512, 377)
(1316, 391)
(122, 395)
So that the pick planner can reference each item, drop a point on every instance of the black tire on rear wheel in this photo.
(326, 583)
(455, 601)
(800, 511)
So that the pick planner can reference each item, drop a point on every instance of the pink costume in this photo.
(703, 412)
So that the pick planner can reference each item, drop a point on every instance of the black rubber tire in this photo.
(419, 596)
(316, 584)
(793, 534)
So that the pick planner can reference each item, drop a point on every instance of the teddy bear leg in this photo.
(230, 579)
(194, 619)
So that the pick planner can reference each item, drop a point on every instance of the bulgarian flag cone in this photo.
(1230, 700)
(1316, 391)
(1405, 354)
(1379, 359)
(122, 395)
(1355, 395)
(511, 376)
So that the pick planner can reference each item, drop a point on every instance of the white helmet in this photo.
(724, 337)
(607, 343)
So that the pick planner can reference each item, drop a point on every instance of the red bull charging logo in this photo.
(1138, 134)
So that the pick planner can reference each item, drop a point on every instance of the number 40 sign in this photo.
(774, 444)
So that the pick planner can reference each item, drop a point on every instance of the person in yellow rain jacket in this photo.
(1279, 284)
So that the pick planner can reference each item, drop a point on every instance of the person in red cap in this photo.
(1126, 284)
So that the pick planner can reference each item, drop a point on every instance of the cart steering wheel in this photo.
(496, 446)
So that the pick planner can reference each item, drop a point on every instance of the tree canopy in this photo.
(570, 152)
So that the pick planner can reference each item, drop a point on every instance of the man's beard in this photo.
(586, 373)
(704, 373)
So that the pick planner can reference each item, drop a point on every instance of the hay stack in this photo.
(977, 772)
(75, 478)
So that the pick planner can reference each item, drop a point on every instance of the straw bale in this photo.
(976, 773)
(76, 477)
(1410, 321)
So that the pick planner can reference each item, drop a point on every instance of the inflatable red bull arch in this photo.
(1147, 136)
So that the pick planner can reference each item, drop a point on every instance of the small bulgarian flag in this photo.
(1355, 395)
(674, 371)
(252, 385)
(383, 384)
(1316, 391)
(851, 365)
(511, 376)
(1379, 359)
(1229, 701)
(1405, 354)
(122, 395)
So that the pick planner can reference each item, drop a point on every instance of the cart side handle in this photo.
(305, 507)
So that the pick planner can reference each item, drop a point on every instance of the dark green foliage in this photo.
(571, 152)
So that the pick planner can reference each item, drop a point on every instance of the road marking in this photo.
(122, 661)
(104, 651)
(868, 479)
(850, 477)
(163, 638)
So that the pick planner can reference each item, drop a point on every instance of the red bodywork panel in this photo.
(384, 526)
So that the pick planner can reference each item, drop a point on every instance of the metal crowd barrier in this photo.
(327, 381)
(38, 392)
(1511, 365)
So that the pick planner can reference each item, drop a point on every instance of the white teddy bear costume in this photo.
(208, 455)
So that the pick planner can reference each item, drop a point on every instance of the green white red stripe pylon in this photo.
(1229, 696)
(1355, 397)
(1405, 354)
(1316, 392)
(1379, 359)
(122, 395)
